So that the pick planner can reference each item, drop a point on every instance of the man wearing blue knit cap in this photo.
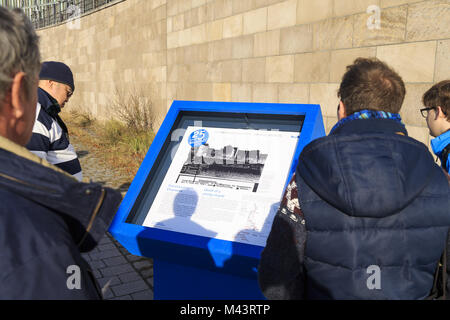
(50, 139)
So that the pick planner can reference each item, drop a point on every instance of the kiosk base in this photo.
(177, 282)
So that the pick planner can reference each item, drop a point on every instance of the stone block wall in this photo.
(120, 48)
(282, 51)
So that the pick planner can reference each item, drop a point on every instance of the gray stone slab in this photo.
(94, 250)
(147, 273)
(97, 274)
(143, 295)
(114, 261)
(133, 258)
(123, 251)
(97, 264)
(116, 270)
(105, 254)
(105, 240)
(108, 294)
(143, 264)
(130, 287)
(108, 246)
(130, 276)
(105, 283)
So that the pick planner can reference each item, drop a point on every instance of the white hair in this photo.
(19, 49)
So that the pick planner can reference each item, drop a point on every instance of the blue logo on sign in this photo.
(198, 138)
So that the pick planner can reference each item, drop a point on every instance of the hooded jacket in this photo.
(47, 219)
(376, 215)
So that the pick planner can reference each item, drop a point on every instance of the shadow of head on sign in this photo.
(185, 206)
(181, 208)
(185, 251)
(185, 236)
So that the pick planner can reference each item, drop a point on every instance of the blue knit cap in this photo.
(57, 71)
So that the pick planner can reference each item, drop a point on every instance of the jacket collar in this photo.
(48, 103)
(52, 108)
(370, 126)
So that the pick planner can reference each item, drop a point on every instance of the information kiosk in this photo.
(204, 198)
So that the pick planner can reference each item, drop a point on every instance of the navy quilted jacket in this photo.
(376, 218)
(47, 219)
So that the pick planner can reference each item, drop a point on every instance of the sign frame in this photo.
(175, 248)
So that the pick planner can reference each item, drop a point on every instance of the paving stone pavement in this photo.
(121, 275)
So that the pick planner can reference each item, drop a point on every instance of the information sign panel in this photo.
(207, 191)
(225, 184)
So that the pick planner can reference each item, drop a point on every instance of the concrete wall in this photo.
(286, 51)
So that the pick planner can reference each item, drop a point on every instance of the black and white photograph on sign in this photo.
(227, 167)
(224, 183)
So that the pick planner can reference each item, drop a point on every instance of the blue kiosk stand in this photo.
(189, 266)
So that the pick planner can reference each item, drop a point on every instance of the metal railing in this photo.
(44, 13)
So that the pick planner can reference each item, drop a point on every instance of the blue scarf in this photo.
(369, 114)
(438, 145)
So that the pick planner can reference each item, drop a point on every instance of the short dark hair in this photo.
(438, 96)
(371, 84)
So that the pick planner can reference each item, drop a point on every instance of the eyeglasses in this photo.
(424, 111)
(69, 93)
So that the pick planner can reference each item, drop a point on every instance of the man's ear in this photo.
(46, 84)
(440, 113)
(18, 89)
(341, 111)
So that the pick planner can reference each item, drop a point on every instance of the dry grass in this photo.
(134, 108)
(123, 142)
(113, 142)
(80, 119)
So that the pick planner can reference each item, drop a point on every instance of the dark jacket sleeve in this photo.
(60, 273)
(280, 272)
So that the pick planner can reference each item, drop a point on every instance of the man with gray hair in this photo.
(47, 218)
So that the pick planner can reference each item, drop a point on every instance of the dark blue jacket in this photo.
(374, 203)
(47, 219)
